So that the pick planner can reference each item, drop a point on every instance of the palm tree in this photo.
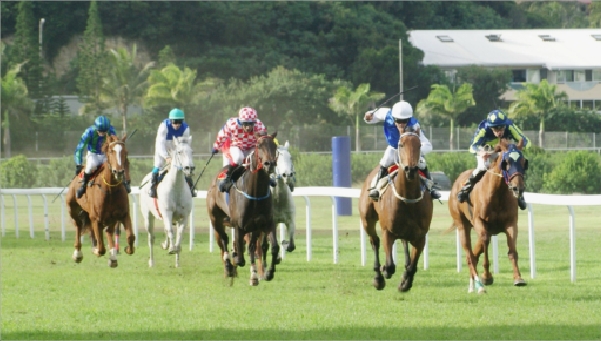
(537, 100)
(171, 87)
(442, 101)
(124, 81)
(351, 104)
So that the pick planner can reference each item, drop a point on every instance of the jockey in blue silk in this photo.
(93, 137)
(171, 127)
(489, 132)
(400, 116)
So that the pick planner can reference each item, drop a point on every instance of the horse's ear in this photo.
(275, 133)
(287, 144)
(521, 144)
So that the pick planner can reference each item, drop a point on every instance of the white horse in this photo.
(174, 199)
(284, 210)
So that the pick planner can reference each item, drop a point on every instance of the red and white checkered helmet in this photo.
(247, 115)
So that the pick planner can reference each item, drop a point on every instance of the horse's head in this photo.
(266, 154)
(116, 156)
(513, 165)
(285, 168)
(409, 152)
(181, 155)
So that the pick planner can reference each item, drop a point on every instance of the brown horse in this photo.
(250, 210)
(404, 211)
(104, 204)
(492, 208)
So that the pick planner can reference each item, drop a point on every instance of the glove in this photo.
(214, 151)
(78, 169)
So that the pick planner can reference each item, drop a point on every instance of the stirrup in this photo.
(374, 194)
(522, 204)
(434, 194)
(225, 185)
(462, 196)
(81, 191)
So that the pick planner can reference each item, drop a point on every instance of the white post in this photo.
(308, 227)
(362, 238)
(46, 220)
(495, 254)
(572, 245)
(458, 242)
(31, 231)
(531, 241)
(63, 228)
(334, 229)
(425, 253)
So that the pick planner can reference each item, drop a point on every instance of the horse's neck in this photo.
(254, 181)
(404, 186)
(175, 176)
(493, 181)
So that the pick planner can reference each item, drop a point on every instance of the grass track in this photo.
(46, 296)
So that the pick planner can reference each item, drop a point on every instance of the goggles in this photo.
(401, 120)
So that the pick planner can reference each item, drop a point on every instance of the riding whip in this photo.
(203, 170)
(388, 100)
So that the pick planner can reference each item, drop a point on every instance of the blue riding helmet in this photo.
(102, 123)
(496, 118)
(175, 114)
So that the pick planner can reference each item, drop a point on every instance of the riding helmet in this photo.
(402, 110)
(102, 123)
(496, 118)
(247, 115)
(176, 114)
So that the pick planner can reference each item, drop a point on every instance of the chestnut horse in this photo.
(250, 210)
(105, 203)
(491, 209)
(404, 210)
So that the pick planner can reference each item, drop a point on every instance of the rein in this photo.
(402, 166)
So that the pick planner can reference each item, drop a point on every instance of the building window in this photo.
(596, 75)
(543, 73)
(533, 76)
(565, 76)
(579, 76)
(519, 76)
(588, 104)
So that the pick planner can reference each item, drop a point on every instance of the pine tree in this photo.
(25, 49)
(91, 59)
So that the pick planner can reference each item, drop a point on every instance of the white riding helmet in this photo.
(402, 110)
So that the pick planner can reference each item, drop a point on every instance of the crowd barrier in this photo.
(306, 192)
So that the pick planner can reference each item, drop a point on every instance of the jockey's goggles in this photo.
(401, 120)
(101, 131)
(248, 124)
(498, 128)
(177, 121)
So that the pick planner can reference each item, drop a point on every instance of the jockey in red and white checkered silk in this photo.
(242, 132)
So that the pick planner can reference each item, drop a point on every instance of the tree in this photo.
(171, 87)
(450, 104)
(488, 87)
(25, 49)
(123, 82)
(537, 100)
(91, 59)
(15, 104)
(350, 104)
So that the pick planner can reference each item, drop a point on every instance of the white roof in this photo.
(569, 49)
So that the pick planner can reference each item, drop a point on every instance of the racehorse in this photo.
(492, 208)
(284, 210)
(105, 204)
(250, 210)
(174, 199)
(404, 210)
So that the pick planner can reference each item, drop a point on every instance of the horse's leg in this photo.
(275, 251)
(252, 250)
(110, 235)
(239, 240)
(464, 231)
(77, 254)
(223, 242)
(411, 262)
(370, 229)
(178, 239)
(291, 226)
(97, 229)
(389, 267)
(168, 244)
(262, 248)
(149, 222)
(479, 229)
(130, 235)
(512, 254)
(482, 248)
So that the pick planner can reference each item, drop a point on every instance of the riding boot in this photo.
(430, 185)
(374, 194)
(273, 180)
(153, 185)
(191, 184)
(225, 178)
(127, 184)
(469, 185)
(522, 203)
(84, 184)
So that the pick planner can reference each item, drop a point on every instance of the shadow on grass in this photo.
(489, 332)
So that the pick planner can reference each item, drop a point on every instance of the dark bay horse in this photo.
(404, 210)
(250, 210)
(105, 203)
(492, 208)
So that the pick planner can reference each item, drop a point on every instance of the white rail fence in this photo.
(306, 192)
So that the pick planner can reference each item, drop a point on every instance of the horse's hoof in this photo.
(164, 245)
(113, 263)
(130, 250)
(290, 248)
(379, 283)
(269, 276)
(77, 256)
(150, 263)
(481, 290)
(489, 280)
(519, 283)
(173, 250)
(254, 282)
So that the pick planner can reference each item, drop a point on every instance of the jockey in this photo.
(489, 132)
(242, 132)
(171, 127)
(93, 137)
(400, 116)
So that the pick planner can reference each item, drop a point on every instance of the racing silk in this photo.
(485, 136)
(165, 135)
(391, 132)
(233, 130)
(94, 142)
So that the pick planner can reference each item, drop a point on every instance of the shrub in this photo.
(18, 172)
(579, 173)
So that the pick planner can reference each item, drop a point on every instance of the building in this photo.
(569, 58)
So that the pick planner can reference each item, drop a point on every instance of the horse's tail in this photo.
(451, 228)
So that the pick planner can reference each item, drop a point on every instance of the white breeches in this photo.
(93, 160)
(482, 165)
(391, 156)
(238, 155)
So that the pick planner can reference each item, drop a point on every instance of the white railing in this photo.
(533, 198)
